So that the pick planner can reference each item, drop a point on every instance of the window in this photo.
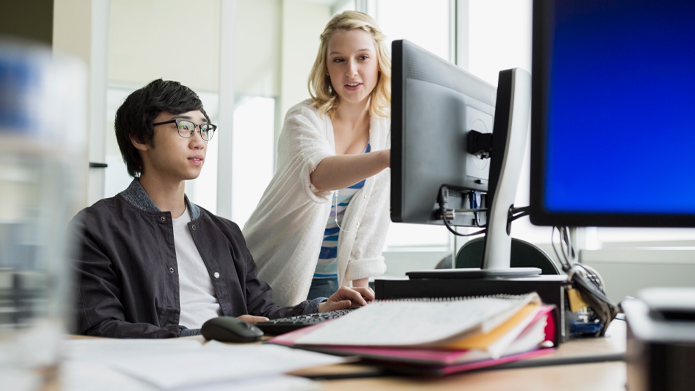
(489, 36)
(499, 37)
(252, 169)
(426, 25)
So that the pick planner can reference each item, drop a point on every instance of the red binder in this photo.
(438, 360)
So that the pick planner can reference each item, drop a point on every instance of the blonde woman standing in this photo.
(322, 221)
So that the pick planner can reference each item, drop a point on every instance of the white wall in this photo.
(172, 39)
(79, 28)
(302, 23)
(258, 61)
(626, 271)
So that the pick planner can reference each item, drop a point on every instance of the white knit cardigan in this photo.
(285, 232)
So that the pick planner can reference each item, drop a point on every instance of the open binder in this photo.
(436, 336)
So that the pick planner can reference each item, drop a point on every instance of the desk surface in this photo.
(607, 375)
(558, 373)
(598, 376)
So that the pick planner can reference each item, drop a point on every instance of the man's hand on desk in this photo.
(253, 319)
(346, 298)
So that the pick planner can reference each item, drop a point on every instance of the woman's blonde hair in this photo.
(320, 88)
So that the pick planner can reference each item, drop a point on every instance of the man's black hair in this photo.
(137, 113)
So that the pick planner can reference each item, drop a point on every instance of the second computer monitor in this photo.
(612, 116)
(435, 105)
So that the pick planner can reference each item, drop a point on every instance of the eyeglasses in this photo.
(186, 128)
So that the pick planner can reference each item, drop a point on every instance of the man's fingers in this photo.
(253, 319)
(341, 305)
(367, 293)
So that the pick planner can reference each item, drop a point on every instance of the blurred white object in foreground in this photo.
(42, 166)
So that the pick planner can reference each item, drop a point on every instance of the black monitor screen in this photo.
(613, 113)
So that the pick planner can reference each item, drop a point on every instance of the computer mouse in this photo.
(230, 329)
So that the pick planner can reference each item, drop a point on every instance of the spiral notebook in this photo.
(419, 322)
(436, 336)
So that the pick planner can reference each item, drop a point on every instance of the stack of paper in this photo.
(436, 336)
(183, 364)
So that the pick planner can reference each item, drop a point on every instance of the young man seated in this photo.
(151, 264)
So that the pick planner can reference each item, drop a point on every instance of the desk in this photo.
(560, 375)
(605, 376)
(598, 376)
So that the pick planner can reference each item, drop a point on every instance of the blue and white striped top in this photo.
(327, 265)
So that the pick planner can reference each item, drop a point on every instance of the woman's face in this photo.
(352, 65)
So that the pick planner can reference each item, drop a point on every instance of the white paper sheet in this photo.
(83, 376)
(183, 364)
(216, 365)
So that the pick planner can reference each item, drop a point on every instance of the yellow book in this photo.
(428, 322)
(497, 340)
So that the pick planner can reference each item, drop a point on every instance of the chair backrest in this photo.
(524, 254)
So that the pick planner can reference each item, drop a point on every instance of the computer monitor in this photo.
(434, 106)
(612, 126)
(457, 149)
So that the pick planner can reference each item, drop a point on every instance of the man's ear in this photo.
(140, 146)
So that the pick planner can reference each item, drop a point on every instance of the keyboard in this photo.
(285, 325)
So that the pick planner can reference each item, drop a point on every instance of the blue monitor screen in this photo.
(613, 118)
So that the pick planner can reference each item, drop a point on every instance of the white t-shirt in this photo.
(197, 296)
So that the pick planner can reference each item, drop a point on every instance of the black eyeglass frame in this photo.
(195, 125)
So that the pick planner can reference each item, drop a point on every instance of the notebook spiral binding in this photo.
(460, 298)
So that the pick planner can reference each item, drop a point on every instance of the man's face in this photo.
(171, 156)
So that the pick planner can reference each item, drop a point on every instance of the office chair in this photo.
(524, 254)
